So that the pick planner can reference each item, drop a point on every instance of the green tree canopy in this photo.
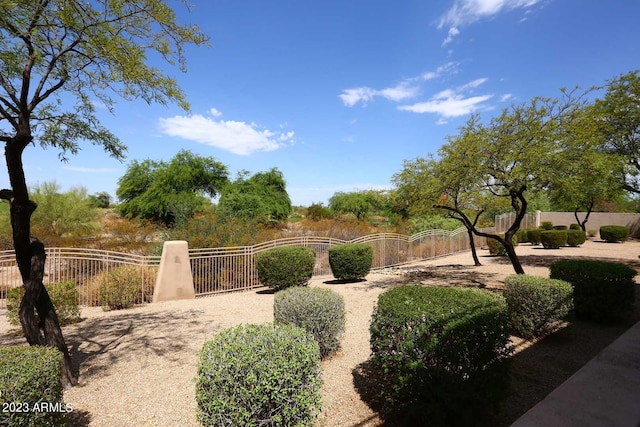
(618, 123)
(358, 203)
(58, 59)
(262, 197)
(170, 192)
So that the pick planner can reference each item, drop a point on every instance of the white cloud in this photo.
(452, 102)
(237, 137)
(406, 89)
(465, 12)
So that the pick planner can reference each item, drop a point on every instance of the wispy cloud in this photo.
(406, 89)
(90, 170)
(466, 12)
(237, 137)
(454, 102)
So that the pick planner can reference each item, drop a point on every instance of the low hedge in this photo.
(553, 239)
(281, 268)
(124, 286)
(602, 290)
(614, 233)
(31, 387)
(64, 296)
(534, 235)
(576, 237)
(319, 311)
(534, 303)
(497, 248)
(254, 375)
(351, 261)
(522, 236)
(441, 353)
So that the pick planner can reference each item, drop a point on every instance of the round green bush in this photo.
(351, 261)
(30, 376)
(553, 239)
(497, 248)
(534, 303)
(124, 286)
(576, 237)
(574, 227)
(254, 375)
(602, 291)
(522, 236)
(546, 225)
(534, 235)
(319, 311)
(614, 233)
(64, 296)
(281, 268)
(441, 353)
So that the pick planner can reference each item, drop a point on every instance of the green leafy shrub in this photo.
(281, 268)
(546, 225)
(497, 248)
(319, 311)
(553, 239)
(574, 227)
(576, 237)
(534, 235)
(602, 290)
(123, 286)
(441, 353)
(560, 227)
(31, 387)
(534, 303)
(64, 296)
(351, 261)
(255, 375)
(614, 233)
(522, 236)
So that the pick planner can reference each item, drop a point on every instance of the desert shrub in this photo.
(351, 261)
(602, 290)
(546, 225)
(534, 235)
(576, 237)
(64, 297)
(281, 268)
(123, 286)
(31, 387)
(253, 375)
(318, 211)
(574, 227)
(317, 310)
(441, 353)
(432, 222)
(497, 248)
(614, 233)
(553, 239)
(534, 303)
(522, 236)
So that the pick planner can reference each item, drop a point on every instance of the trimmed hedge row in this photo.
(497, 248)
(553, 239)
(441, 353)
(281, 268)
(602, 290)
(31, 387)
(534, 303)
(255, 375)
(614, 233)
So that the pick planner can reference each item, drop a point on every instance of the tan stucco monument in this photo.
(174, 275)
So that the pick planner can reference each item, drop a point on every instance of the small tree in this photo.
(88, 51)
(357, 203)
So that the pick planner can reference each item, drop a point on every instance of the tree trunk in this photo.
(472, 244)
(513, 257)
(30, 257)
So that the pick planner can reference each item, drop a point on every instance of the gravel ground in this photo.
(137, 366)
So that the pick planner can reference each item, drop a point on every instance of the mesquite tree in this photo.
(58, 58)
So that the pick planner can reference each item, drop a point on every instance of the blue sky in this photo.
(336, 94)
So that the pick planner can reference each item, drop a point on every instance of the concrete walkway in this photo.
(604, 392)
